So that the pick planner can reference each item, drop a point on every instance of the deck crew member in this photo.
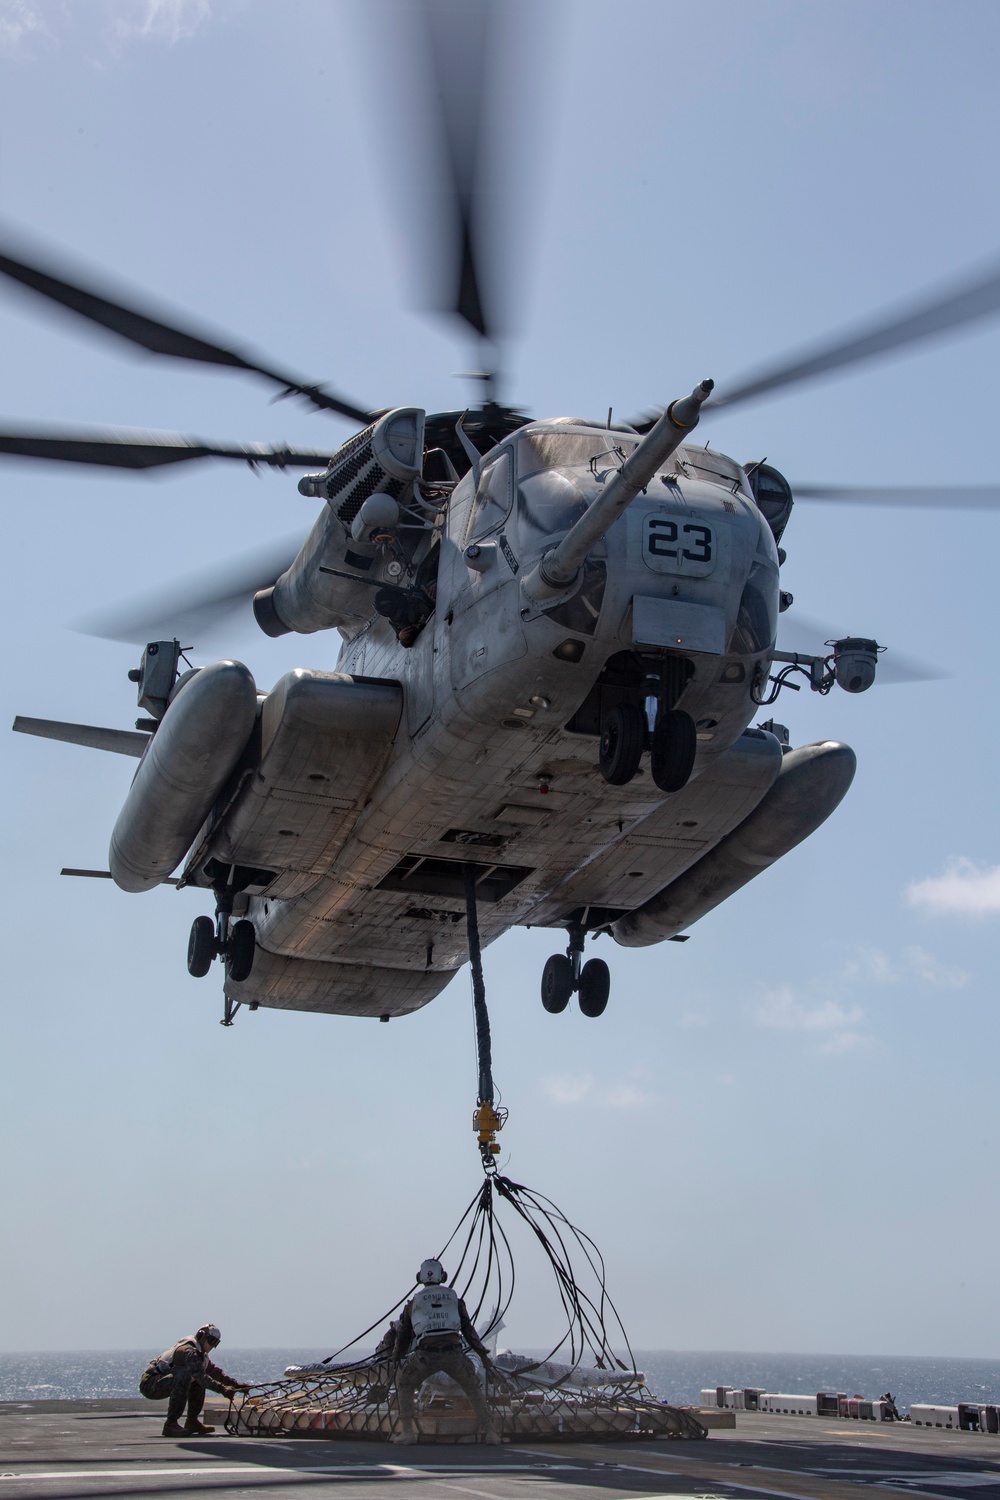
(181, 1374)
(429, 1339)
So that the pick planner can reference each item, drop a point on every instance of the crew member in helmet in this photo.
(429, 1338)
(181, 1374)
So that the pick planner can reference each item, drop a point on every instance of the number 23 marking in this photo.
(663, 531)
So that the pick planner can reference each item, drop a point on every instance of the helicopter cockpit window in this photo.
(571, 450)
(492, 503)
(555, 474)
(757, 621)
(703, 463)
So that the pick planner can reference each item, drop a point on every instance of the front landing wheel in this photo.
(240, 951)
(557, 983)
(595, 987)
(623, 739)
(675, 743)
(202, 947)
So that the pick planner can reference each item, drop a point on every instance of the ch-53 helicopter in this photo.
(555, 636)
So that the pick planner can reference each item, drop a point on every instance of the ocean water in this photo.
(672, 1375)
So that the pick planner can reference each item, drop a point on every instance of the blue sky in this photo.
(782, 1133)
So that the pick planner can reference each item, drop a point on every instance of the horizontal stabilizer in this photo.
(120, 741)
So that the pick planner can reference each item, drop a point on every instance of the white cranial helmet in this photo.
(432, 1273)
(210, 1333)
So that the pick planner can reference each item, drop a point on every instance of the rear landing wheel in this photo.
(675, 741)
(595, 987)
(202, 947)
(239, 956)
(557, 983)
(623, 739)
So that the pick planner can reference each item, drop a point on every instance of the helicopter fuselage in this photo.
(493, 760)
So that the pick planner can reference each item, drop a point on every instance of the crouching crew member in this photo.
(181, 1375)
(429, 1337)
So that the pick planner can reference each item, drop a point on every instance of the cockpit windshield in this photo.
(571, 450)
(705, 463)
(555, 479)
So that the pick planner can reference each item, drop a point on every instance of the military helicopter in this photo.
(554, 638)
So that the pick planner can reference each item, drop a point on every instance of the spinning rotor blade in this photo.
(465, 92)
(457, 41)
(146, 450)
(162, 338)
(798, 632)
(928, 496)
(967, 302)
(192, 608)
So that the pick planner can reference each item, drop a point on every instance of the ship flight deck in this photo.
(61, 1450)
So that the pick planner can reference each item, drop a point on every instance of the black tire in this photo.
(202, 947)
(623, 739)
(675, 742)
(557, 983)
(595, 987)
(242, 943)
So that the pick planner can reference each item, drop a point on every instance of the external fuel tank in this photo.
(812, 781)
(201, 736)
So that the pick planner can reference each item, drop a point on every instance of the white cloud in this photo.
(781, 1009)
(913, 965)
(19, 20)
(832, 1025)
(964, 890)
(845, 1041)
(117, 21)
(837, 1025)
(573, 1088)
(925, 967)
(161, 20)
(625, 1096)
(567, 1088)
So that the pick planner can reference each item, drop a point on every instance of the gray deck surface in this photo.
(54, 1449)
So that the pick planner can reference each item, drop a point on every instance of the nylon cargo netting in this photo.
(580, 1389)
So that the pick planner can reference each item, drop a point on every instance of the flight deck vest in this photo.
(434, 1311)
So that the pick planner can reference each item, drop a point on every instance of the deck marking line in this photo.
(462, 1489)
(921, 1476)
(735, 1484)
(930, 1494)
(778, 1493)
(142, 1473)
(400, 1471)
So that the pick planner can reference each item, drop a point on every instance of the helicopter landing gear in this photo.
(594, 987)
(234, 942)
(557, 983)
(670, 736)
(673, 748)
(240, 951)
(202, 949)
(623, 739)
(564, 974)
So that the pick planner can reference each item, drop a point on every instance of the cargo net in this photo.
(580, 1389)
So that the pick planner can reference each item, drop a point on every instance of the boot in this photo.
(492, 1438)
(173, 1429)
(193, 1427)
(406, 1434)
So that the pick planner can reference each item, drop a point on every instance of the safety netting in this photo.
(581, 1388)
